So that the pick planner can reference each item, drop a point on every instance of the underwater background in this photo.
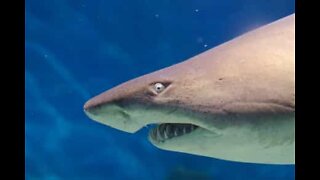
(76, 49)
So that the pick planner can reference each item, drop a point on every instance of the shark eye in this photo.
(158, 87)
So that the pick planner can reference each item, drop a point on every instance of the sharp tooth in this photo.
(184, 130)
(192, 127)
(161, 129)
(176, 132)
(165, 135)
(159, 137)
(168, 129)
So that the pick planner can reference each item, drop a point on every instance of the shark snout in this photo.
(113, 96)
(106, 97)
(87, 105)
(95, 103)
(107, 109)
(90, 105)
(107, 105)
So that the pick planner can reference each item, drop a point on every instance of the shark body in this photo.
(233, 102)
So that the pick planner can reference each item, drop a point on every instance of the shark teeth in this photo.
(167, 131)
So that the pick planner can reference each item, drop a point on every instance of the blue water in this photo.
(78, 48)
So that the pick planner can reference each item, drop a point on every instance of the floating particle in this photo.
(199, 40)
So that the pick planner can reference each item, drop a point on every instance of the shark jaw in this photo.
(168, 131)
(256, 139)
(170, 122)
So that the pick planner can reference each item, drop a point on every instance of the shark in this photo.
(234, 102)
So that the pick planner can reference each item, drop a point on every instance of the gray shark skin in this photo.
(234, 102)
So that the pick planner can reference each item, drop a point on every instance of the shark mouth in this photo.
(167, 131)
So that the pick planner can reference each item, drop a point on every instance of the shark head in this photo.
(226, 103)
(162, 97)
(168, 98)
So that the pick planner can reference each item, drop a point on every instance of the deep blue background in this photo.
(78, 48)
